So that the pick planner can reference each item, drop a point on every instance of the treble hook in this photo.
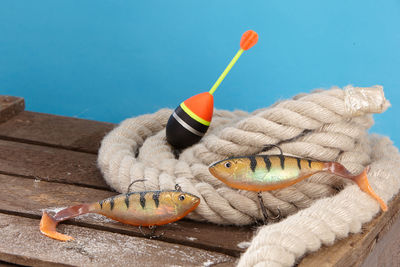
(264, 210)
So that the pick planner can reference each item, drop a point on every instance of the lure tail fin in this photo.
(49, 223)
(48, 227)
(361, 180)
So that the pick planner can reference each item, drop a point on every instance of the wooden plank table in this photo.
(49, 161)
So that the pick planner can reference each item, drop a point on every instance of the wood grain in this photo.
(10, 106)
(353, 250)
(385, 250)
(27, 197)
(22, 243)
(51, 164)
(58, 131)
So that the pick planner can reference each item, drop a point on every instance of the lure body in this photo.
(137, 208)
(271, 172)
(263, 173)
(147, 208)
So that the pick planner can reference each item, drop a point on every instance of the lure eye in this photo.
(228, 164)
(181, 197)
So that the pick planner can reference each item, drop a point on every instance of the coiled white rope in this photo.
(326, 125)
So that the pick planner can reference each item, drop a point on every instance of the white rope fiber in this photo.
(329, 125)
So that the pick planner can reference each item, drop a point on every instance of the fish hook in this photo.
(139, 180)
(269, 146)
(264, 210)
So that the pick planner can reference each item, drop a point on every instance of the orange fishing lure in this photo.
(148, 208)
(270, 172)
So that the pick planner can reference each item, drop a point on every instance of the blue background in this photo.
(109, 60)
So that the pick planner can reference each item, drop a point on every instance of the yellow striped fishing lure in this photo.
(149, 208)
(270, 172)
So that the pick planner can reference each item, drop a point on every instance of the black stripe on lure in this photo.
(191, 119)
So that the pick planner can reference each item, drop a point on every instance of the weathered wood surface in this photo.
(386, 249)
(49, 161)
(51, 164)
(10, 106)
(22, 243)
(28, 197)
(52, 130)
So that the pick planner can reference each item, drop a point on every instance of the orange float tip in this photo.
(249, 39)
(201, 105)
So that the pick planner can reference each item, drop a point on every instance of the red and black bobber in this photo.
(191, 119)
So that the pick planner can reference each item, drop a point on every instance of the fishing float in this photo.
(191, 119)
